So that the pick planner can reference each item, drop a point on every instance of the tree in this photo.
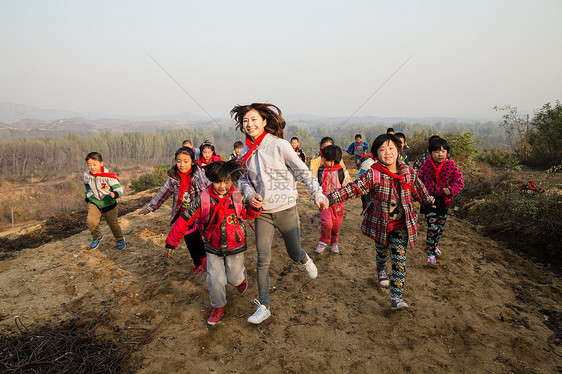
(546, 135)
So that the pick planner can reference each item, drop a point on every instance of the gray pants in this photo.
(287, 222)
(223, 270)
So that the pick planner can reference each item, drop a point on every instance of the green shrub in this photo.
(499, 157)
(156, 178)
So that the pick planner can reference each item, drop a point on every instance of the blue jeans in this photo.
(223, 270)
(288, 224)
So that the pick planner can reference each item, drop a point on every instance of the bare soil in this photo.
(483, 309)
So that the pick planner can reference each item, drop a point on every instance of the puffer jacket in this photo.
(97, 189)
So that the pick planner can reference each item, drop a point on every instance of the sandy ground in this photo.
(483, 309)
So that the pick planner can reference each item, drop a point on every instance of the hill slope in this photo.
(483, 309)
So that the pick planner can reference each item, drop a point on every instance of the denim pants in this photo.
(220, 271)
(288, 224)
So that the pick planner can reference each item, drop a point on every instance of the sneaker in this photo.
(335, 248)
(95, 242)
(321, 247)
(397, 304)
(216, 315)
(437, 252)
(198, 269)
(310, 268)
(383, 278)
(261, 314)
(431, 260)
(241, 288)
(204, 263)
(121, 244)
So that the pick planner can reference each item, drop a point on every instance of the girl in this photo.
(443, 180)
(316, 161)
(102, 189)
(208, 155)
(269, 163)
(219, 209)
(331, 175)
(390, 218)
(185, 182)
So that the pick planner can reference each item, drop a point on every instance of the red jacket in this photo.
(224, 234)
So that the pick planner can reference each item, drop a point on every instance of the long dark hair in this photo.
(269, 112)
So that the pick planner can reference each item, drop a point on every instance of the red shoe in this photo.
(204, 263)
(216, 315)
(198, 269)
(242, 286)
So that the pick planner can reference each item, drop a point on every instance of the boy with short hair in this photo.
(358, 148)
(295, 145)
(237, 147)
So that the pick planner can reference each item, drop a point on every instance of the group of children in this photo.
(212, 198)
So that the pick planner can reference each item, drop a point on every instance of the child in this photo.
(390, 218)
(219, 209)
(443, 180)
(188, 143)
(185, 182)
(208, 155)
(299, 151)
(316, 162)
(102, 189)
(331, 175)
(424, 156)
(358, 148)
(237, 147)
(269, 163)
(402, 155)
(390, 130)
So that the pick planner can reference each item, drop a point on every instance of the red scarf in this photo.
(103, 173)
(252, 147)
(378, 166)
(185, 184)
(327, 171)
(438, 171)
(202, 162)
(220, 207)
(357, 144)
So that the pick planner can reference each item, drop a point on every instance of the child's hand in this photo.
(446, 191)
(432, 201)
(144, 211)
(168, 252)
(322, 202)
(256, 201)
(112, 194)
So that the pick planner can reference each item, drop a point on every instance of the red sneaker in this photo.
(242, 286)
(204, 263)
(198, 269)
(216, 315)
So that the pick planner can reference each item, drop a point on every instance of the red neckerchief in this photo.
(366, 156)
(103, 173)
(202, 162)
(252, 146)
(326, 171)
(378, 166)
(220, 207)
(296, 148)
(185, 184)
(437, 171)
(357, 144)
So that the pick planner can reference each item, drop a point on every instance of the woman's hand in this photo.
(256, 201)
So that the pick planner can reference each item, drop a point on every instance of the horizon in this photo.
(362, 59)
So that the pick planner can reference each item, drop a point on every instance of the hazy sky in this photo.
(316, 57)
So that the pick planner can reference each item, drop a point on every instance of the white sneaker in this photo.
(383, 278)
(310, 268)
(321, 247)
(261, 314)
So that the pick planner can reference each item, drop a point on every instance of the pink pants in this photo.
(331, 223)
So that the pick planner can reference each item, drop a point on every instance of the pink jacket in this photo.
(450, 176)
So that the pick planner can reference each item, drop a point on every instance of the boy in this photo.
(402, 155)
(188, 143)
(295, 145)
(237, 147)
(102, 189)
(358, 148)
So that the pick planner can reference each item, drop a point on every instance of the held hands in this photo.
(322, 202)
(256, 201)
(432, 201)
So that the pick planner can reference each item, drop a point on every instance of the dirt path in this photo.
(482, 310)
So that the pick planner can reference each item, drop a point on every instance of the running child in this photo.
(331, 175)
(298, 150)
(316, 161)
(188, 143)
(102, 190)
(185, 181)
(269, 163)
(443, 181)
(358, 148)
(220, 210)
(402, 154)
(390, 219)
(237, 147)
(207, 155)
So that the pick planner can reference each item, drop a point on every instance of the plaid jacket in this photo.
(172, 186)
(379, 186)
